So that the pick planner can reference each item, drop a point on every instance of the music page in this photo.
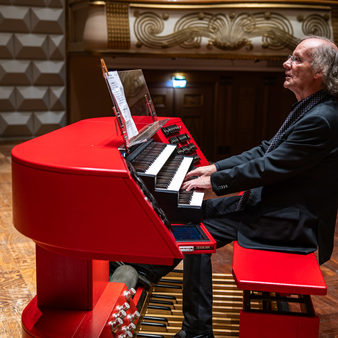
(117, 91)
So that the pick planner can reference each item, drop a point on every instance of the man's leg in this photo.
(197, 295)
(197, 280)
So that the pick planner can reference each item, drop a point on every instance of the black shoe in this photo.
(144, 280)
(180, 334)
(184, 334)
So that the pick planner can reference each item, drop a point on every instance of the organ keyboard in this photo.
(163, 171)
(152, 158)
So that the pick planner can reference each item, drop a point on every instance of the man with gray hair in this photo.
(290, 182)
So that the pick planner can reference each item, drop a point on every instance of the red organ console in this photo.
(85, 202)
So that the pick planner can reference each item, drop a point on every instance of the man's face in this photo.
(299, 76)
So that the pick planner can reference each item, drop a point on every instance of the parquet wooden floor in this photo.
(17, 268)
(17, 258)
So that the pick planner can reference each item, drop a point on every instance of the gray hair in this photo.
(325, 60)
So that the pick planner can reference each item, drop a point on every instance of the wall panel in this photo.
(32, 67)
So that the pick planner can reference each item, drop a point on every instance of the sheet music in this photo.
(117, 90)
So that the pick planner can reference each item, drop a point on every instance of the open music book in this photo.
(120, 102)
(130, 96)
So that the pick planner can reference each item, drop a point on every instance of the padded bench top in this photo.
(272, 271)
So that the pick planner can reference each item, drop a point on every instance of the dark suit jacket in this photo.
(295, 186)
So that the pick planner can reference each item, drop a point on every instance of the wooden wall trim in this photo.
(242, 3)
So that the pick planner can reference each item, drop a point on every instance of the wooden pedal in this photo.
(162, 315)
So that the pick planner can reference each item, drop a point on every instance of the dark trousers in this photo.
(221, 219)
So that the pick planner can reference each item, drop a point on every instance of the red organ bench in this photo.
(283, 283)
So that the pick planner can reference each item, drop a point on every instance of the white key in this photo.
(196, 199)
(161, 159)
(179, 176)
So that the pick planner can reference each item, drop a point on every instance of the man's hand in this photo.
(202, 171)
(201, 183)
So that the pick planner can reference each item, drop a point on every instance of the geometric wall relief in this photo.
(32, 98)
(29, 2)
(57, 98)
(14, 19)
(42, 3)
(47, 20)
(6, 45)
(7, 98)
(56, 47)
(32, 67)
(45, 122)
(15, 124)
(55, 3)
(47, 72)
(14, 72)
(30, 46)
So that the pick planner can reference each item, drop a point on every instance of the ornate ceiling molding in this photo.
(237, 30)
(226, 32)
(248, 31)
